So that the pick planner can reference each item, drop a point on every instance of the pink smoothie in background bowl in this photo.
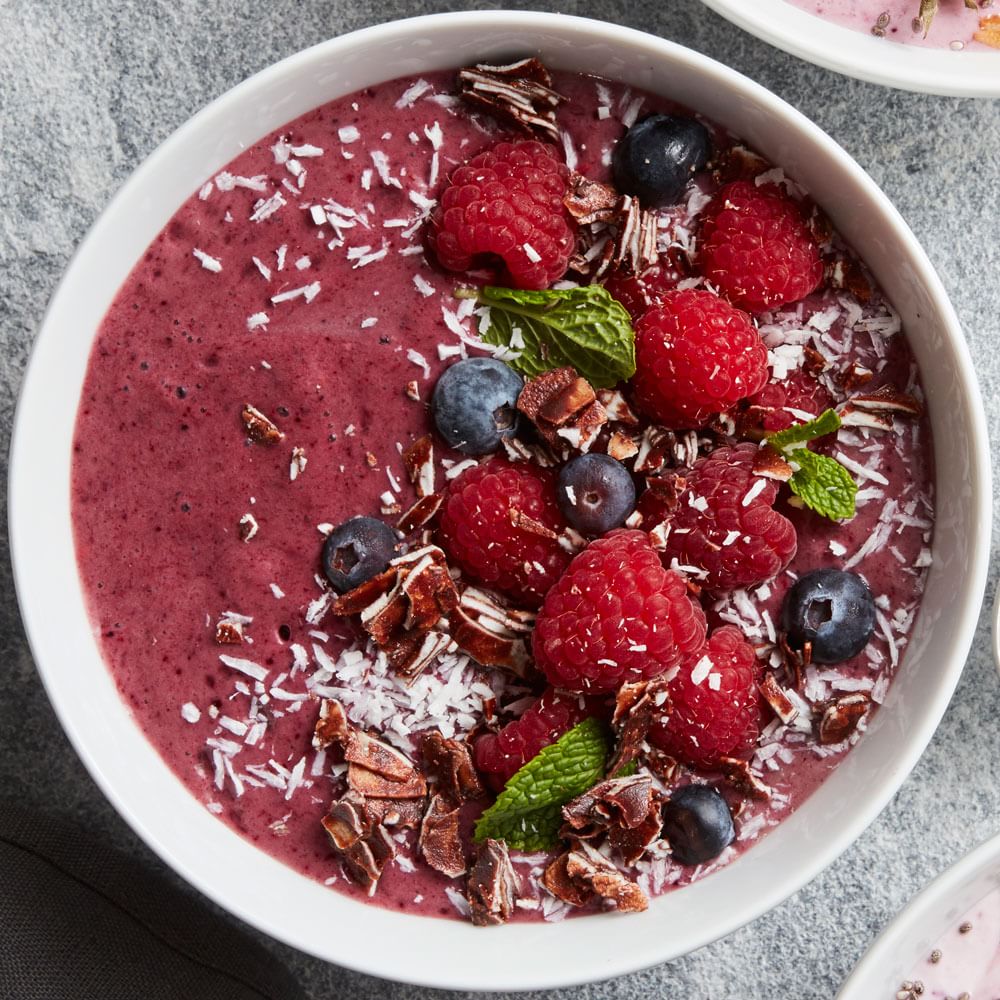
(964, 961)
(298, 280)
(182, 341)
(945, 944)
(954, 25)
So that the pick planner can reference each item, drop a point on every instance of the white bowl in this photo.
(894, 64)
(915, 930)
(261, 890)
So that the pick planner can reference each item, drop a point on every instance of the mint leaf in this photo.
(823, 484)
(826, 423)
(582, 327)
(527, 813)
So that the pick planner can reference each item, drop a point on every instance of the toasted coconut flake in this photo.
(523, 522)
(855, 375)
(519, 451)
(590, 201)
(843, 272)
(744, 779)
(852, 416)
(487, 647)
(366, 860)
(259, 428)
(557, 881)
(412, 653)
(667, 489)
(355, 825)
(776, 697)
(841, 717)
(439, 841)
(421, 513)
(634, 246)
(402, 603)
(491, 633)
(627, 810)
(659, 448)
(814, 362)
(400, 814)
(332, 726)
(661, 765)
(520, 93)
(617, 408)
(228, 632)
(449, 765)
(419, 461)
(739, 163)
(564, 408)
(357, 600)
(345, 822)
(378, 757)
(622, 446)
(371, 785)
(492, 887)
(498, 617)
(795, 660)
(559, 408)
(430, 592)
(769, 464)
(888, 399)
(636, 706)
(590, 869)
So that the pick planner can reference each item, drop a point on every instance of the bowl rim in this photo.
(932, 899)
(845, 50)
(154, 832)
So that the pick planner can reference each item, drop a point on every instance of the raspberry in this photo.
(639, 292)
(756, 247)
(507, 202)
(500, 755)
(715, 707)
(476, 528)
(615, 616)
(781, 404)
(714, 529)
(696, 355)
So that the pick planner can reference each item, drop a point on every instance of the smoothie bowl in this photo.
(575, 658)
(945, 943)
(945, 47)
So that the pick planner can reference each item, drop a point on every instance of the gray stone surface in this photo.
(91, 87)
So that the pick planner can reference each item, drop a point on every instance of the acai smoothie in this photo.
(502, 495)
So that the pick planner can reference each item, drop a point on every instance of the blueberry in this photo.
(356, 551)
(698, 824)
(832, 609)
(474, 405)
(595, 493)
(657, 157)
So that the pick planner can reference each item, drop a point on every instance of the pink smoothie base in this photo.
(360, 314)
(966, 959)
(953, 25)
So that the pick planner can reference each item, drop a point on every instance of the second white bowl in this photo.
(893, 64)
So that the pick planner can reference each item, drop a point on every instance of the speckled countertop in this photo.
(92, 86)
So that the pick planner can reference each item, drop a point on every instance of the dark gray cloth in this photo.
(81, 921)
